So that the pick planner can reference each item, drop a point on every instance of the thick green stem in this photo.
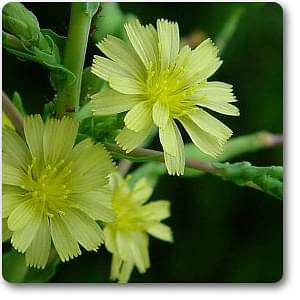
(74, 55)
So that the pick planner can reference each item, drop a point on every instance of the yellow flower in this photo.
(157, 83)
(53, 190)
(127, 237)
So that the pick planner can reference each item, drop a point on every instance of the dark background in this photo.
(223, 233)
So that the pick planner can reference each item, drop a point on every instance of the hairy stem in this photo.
(74, 55)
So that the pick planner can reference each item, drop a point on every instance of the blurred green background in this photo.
(223, 233)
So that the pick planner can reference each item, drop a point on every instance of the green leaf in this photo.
(233, 148)
(229, 28)
(17, 101)
(267, 179)
(49, 109)
(14, 269)
(59, 40)
(90, 85)
(109, 20)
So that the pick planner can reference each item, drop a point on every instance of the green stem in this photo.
(147, 155)
(74, 55)
(12, 113)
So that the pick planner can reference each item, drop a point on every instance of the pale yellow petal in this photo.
(139, 117)
(126, 85)
(124, 55)
(128, 139)
(91, 166)
(138, 244)
(126, 270)
(206, 142)
(210, 124)
(10, 201)
(106, 68)
(64, 243)
(38, 252)
(34, 131)
(168, 35)
(13, 176)
(83, 228)
(24, 213)
(6, 233)
(110, 239)
(156, 210)
(161, 231)
(141, 191)
(203, 61)
(167, 136)
(160, 114)
(27, 224)
(14, 149)
(220, 107)
(59, 138)
(96, 204)
(143, 41)
(176, 164)
(110, 102)
(116, 263)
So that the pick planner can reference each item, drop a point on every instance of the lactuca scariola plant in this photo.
(127, 236)
(158, 83)
(54, 190)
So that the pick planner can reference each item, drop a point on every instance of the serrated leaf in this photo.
(268, 179)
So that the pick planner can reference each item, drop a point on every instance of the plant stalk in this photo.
(12, 113)
(74, 56)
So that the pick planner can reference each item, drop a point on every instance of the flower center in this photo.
(170, 88)
(49, 188)
(127, 212)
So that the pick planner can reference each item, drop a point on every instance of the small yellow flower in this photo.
(127, 237)
(53, 190)
(157, 83)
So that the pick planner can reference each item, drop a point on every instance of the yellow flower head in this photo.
(157, 83)
(127, 237)
(53, 190)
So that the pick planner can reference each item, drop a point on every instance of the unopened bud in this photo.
(21, 22)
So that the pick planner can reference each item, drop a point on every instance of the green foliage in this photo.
(21, 23)
(229, 28)
(28, 42)
(14, 269)
(17, 101)
(101, 128)
(109, 20)
(204, 211)
(90, 8)
(90, 85)
(268, 179)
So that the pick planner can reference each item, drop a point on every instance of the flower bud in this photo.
(21, 22)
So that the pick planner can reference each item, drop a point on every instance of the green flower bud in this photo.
(21, 22)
